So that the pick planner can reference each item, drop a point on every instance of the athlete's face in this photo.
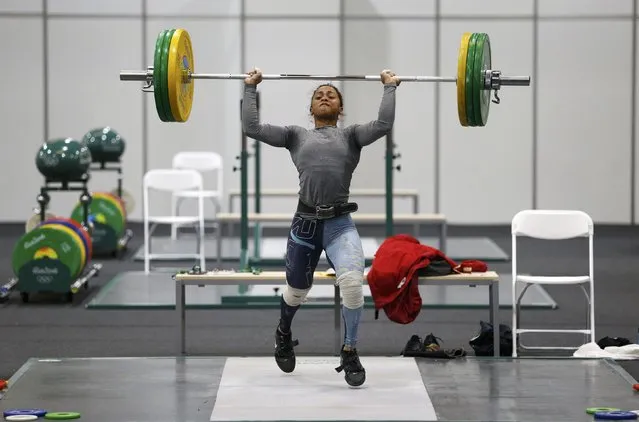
(326, 103)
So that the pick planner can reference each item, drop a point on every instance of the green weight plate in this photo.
(102, 210)
(164, 80)
(481, 96)
(593, 410)
(470, 62)
(47, 242)
(60, 416)
(477, 82)
(157, 88)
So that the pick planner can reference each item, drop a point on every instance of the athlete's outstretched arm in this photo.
(276, 136)
(367, 133)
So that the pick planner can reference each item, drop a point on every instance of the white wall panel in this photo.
(21, 104)
(20, 6)
(85, 92)
(110, 7)
(389, 8)
(292, 7)
(370, 47)
(486, 172)
(571, 8)
(199, 8)
(584, 126)
(487, 8)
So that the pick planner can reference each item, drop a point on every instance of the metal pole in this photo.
(389, 183)
(244, 261)
(257, 230)
(244, 218)
(289, 76)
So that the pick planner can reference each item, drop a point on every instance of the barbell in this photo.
(171, 78)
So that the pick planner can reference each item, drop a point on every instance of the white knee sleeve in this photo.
(293, 296)
(350, 284)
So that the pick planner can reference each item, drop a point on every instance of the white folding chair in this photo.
(552, 225)
(204, 162)
(173, 180)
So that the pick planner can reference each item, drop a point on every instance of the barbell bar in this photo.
(171, 78)
(143, 76)
(130, 75)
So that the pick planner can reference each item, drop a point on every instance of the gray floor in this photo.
(458, 247)
(135, 289)
(188, 389)
(50, 327)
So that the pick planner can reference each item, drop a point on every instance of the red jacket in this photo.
(393, 277)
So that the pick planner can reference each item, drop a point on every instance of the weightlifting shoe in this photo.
(354, 372)
(431, 344)
(284, 353)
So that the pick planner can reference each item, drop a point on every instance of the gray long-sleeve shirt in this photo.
(325, 157)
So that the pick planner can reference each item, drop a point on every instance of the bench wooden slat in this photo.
(320, 276)
(227, 217)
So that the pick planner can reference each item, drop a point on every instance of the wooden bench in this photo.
(413, 194)
(217, 278)
(225, 218)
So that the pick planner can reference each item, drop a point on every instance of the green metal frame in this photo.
(245, 260)
(244, 206)
(257, 232)
(390, 156)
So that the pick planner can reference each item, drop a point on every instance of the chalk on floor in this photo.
(255, 389)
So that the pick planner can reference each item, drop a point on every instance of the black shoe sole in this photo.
(285, 364)
(355, 380)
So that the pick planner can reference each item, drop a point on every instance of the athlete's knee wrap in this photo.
(350, 284)
(293, 296)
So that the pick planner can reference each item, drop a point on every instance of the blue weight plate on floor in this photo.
(616, 415)
(34, 412)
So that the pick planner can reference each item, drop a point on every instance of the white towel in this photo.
(592, 350)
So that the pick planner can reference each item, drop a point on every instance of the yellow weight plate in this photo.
(79, 243)
(180, 65)
(120, 202)
(114, 200)
(461, 79)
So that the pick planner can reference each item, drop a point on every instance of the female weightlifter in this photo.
(325, 158)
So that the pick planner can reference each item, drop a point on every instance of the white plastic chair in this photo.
(203, 162)
(173, 180)
(552, 225)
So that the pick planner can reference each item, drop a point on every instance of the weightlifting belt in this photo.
(325, 212)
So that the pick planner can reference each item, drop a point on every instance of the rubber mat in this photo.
(402, 396)
(191, 388)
